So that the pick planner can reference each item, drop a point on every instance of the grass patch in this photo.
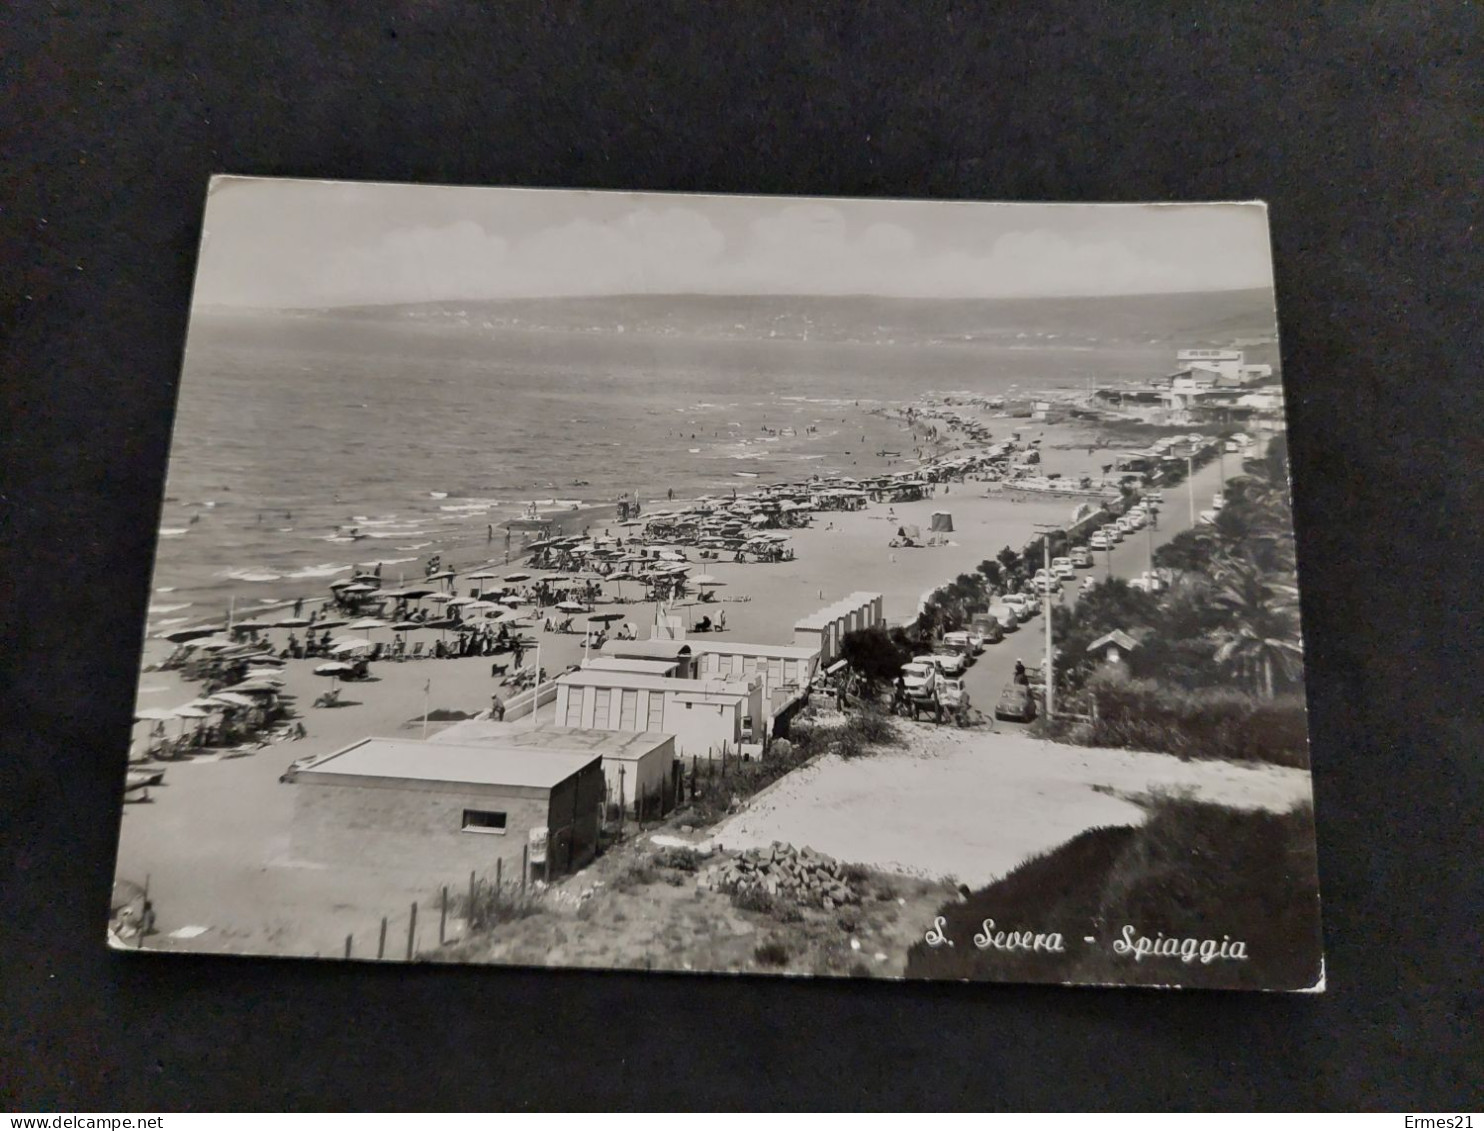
(1209, 723)
(1193, 870)
(493, 904)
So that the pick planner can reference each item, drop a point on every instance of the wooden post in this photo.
(620, 802)
(499, 874)
(443, 916)
(381, 942)
(347, 946)
(411, 931)
(525, 866)
(695, 769)
(469, 907)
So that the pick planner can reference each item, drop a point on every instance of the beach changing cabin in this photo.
(442, 810)
(823, 631)
(786, 670)
(677, 652)
(707, 717)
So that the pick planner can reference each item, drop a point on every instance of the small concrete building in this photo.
(637, 763)
(443, 810)
(825, 629)
(707, 717)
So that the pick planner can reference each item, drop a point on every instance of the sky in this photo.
(296, 243)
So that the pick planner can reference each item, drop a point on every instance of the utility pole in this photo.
(1045, 532)
(1190, 482)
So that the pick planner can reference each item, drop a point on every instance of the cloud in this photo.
(302, 243)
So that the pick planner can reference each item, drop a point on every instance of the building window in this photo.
(484, 821)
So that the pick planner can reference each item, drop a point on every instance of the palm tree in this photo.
(1262, 629)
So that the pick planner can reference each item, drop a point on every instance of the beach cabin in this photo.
(786, 670)
(443, 810)
(1115, 647)
(707, 717)
(823, 631)
(666, 668)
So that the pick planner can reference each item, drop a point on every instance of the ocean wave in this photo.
(165, 589)
(415, 546)
(251, 575)
(166, 622)
(172, 531)
(158, 610)
(326, 569)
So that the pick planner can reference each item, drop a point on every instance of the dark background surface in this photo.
(1362, 131)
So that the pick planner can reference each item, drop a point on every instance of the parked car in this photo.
(1063, 567)
(1098, 541)
(955, 697)
(1006, 617)
(1082, 558)
(921, 678)
(962, 642)
(1208, 516)
(991, 629)
(1218, 501)
(948, 663)
(1024, 607)
(1112, 533)
(1016, 702)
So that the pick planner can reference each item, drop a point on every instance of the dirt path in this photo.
(972, 804)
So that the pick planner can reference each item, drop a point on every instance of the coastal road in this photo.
(1129, 558)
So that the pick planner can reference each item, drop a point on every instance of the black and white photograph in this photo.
(853, 588)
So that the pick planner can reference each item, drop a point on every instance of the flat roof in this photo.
(587, 677)
(630, 664)
(484, 764)
(626, 744)
(740, 648)
(647, 649)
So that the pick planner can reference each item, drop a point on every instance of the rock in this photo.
(855, 944)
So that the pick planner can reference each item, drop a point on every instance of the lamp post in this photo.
(1045, 532)
(1190, 482)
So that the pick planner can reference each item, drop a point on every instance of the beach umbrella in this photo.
(606, 618)
(232, 699)
(482, 575)
(407, 625)
(556, 578)
(441, 575)
(292, 622)
(457, 602)
(359, 587)
(349, 644)
(366, 624)
(571, 607)
(334, 668)
(153, 715)
(189, 711)
(517, 577)
(321, 624)
(181, 635)
(705, 579)
(215, 645)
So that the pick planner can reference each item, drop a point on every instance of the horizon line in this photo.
(735, 295)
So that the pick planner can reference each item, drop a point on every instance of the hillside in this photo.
(1212, 318)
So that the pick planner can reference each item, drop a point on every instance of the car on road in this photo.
(920, 678)
(1099, 541)
(1016, 703)
(1024, 606)
(991, 628)
(1112, 532)
(1006, 617)
(947, 663)
(1082, 558)
(1063, 567)
(966, 643)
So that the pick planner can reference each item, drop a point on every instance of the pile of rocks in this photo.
(800, 875)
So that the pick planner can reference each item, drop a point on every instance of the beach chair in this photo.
(417, 650)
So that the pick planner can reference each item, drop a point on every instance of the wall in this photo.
(573, 819)
(411, 829)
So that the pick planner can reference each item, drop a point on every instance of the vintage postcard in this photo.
(854, 588)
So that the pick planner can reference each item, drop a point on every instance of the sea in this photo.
(306, 447)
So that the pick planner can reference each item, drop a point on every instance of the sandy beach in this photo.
(239, 880)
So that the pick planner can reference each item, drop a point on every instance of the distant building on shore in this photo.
(444, 810)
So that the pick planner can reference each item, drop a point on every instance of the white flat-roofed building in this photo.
(677, 652)
(785, 669)
(635, 763)
(707, 717)
(443, 809)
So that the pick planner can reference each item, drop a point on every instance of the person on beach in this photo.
(497, 708)
(298, 606)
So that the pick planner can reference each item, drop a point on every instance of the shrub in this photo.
(754, 899)
(771, 954)
(636, 875)
(495, 904)
(680, 859)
